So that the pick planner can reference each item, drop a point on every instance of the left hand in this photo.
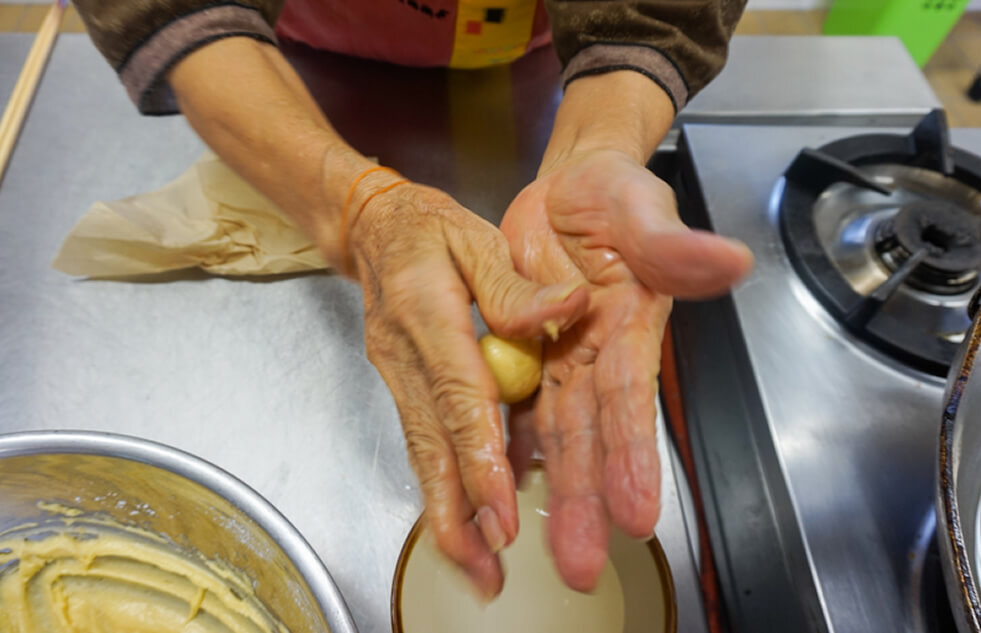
(602, 218)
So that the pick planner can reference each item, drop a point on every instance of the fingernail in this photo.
(552, 329)
(559, 293)
(484, 597)
(738, 245)
(490, 527)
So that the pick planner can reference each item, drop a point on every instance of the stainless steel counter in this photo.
(265, 378)
(815, 80)
(13, 52)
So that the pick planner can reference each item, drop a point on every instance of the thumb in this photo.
(511, 305)
(671, 259)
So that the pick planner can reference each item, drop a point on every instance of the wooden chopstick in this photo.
(30, 76)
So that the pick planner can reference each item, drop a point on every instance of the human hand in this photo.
(601, 218)
(422, 259)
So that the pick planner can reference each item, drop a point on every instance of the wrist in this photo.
(350, 183)
(622, 111)
(340, 167)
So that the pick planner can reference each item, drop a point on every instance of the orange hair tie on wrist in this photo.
(347, 224)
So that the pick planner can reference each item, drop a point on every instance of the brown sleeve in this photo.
(679, 44)
(143, 39)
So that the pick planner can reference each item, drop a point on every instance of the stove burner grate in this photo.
(930, 246)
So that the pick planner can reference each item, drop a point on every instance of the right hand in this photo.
(422, 259)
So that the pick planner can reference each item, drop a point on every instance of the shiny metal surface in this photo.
(677, 530)
(855, 434)
(959, 485)
(194, 504)
(265, 378)
(815, 80)
(846, 218)
(13, 52)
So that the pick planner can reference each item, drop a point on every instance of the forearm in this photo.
(247, 103)
(623, 111)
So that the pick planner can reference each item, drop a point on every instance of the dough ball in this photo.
(516, 366)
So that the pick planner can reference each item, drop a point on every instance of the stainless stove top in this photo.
(816, 450)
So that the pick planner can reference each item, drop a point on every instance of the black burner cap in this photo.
(950, 235)
(949, 238)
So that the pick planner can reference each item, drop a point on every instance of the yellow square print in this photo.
(491, 32)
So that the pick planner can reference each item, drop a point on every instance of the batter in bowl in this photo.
(95, 576)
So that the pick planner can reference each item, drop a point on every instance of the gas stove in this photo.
(885, 231)
(812, 394)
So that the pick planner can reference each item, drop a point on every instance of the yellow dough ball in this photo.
(516, 366)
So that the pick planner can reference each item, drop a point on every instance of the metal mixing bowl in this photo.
(194, 503)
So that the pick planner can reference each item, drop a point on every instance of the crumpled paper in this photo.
(208, 218)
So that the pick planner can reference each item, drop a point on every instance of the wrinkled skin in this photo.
(602, 219)
(600, 252)
(422, 259)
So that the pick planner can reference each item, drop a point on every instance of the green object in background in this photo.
(921, 24)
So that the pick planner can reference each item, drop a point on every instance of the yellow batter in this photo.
(96, 577)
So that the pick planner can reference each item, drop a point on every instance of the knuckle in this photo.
(463, 414)
(496, 245)
(430, 459)
(445, 535)
(578, 441)
(503, 289)
(457, 402)
(502, 296)
(484, 246)
(377, 354)
(495, 257)
(379, 343)
(480, 472)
